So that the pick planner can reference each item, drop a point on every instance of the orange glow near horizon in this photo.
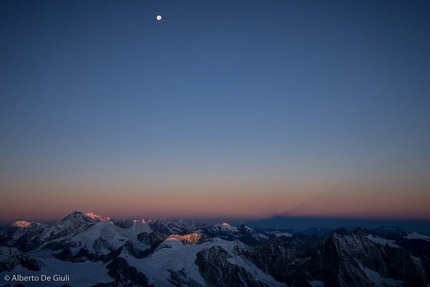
(43, 201)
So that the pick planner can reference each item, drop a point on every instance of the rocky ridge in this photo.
(177, 253)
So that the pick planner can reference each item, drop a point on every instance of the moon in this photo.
(159, 17)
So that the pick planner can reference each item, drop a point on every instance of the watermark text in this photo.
(36, 278)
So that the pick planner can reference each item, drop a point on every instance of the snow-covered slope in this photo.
(11, 257)
(94, 250)
(415, 235)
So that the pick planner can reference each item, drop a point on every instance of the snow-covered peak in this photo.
(77, 217)
(139, 220)
(169, 227)
(182, 222)
(98, 217)
(74, 215)
(141, 226)
(25, 224)
(72, 224)
(226, 226)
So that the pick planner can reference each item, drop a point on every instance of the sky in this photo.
(232, 109)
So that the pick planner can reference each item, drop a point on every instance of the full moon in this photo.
(158, 17)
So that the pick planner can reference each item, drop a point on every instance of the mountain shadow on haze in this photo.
(307, 224)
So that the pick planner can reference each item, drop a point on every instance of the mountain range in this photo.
(92, 250)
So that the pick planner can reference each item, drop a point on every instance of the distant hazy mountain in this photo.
(301, 224)
(91, 250)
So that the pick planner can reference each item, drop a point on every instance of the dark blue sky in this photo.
(275, 102)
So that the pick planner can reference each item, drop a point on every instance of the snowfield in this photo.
(87, 249)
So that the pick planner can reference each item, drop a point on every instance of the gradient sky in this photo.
(241, 109)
